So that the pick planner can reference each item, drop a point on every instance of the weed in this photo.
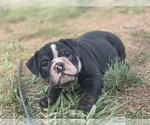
(119, 77)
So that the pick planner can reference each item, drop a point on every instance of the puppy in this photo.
(74, 63)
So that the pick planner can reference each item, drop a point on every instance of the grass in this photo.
(23, 30)
(63, 13)
(10, 53)
(142, 56)
(119, 78)
(14, 46)
(105, 107)
(34, 22)
(141, 36)
(132, 10)
(55, 14)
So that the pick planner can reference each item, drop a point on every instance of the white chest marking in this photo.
(54, 51)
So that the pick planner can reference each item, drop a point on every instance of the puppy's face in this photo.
(58, 63)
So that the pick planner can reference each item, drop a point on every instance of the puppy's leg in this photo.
(52, 96)
(91, 91)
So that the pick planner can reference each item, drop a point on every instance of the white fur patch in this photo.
(54, 51)
(79, 64)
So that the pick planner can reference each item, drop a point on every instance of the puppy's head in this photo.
(58, 63)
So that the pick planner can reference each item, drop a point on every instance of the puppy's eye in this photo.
(45, 64)
(67, 54)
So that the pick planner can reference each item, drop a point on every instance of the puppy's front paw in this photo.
(84, 104)
(84, 107)
(43, 102)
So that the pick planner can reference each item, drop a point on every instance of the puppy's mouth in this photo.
(64, 81)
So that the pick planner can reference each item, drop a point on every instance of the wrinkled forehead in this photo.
(59, 46)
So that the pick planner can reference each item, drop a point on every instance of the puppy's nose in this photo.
(59, 67)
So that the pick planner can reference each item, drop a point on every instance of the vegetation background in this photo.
(23, 30)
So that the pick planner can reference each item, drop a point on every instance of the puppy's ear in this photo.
(71, 43)
(32, 64)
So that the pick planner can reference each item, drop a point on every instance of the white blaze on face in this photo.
(54, 51)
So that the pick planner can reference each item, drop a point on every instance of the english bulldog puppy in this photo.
(76, 62)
